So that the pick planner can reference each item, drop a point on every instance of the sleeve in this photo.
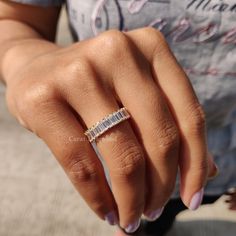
(44, 3)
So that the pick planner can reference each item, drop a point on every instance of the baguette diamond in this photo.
(106, 123)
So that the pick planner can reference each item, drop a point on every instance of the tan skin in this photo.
(58, 92)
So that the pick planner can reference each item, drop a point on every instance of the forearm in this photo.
(19, 44)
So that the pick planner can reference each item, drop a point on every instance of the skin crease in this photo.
(48, 91)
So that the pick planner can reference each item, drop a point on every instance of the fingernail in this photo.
(215, 172)
(131, 228)
(111, 218)
(154, 215)
(196, 200)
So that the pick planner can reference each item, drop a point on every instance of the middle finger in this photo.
(155, 127)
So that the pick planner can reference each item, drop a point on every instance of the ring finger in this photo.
(118, 146)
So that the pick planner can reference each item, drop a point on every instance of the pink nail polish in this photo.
(196, 200)
(131, 228)
(111, 218)
(154, 215)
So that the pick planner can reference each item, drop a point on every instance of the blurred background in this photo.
(37, 199)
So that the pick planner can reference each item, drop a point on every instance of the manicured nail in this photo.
(215, 172)
(196, 200)
(111, 218)
(154, 215)
(131, 228)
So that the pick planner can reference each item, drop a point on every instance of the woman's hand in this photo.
(61, 93)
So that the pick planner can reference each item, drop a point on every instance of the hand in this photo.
(59, 94)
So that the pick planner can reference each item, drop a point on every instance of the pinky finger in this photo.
(65, 137)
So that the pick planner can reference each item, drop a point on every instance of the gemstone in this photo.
(106, 123)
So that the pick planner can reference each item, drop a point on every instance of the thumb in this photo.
(213, 170)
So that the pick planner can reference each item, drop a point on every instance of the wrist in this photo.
(21, 53)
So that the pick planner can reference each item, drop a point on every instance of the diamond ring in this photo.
(106, 123)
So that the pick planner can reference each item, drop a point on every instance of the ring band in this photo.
(106, 123)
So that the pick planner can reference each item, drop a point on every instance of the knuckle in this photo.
(80, 169)
(130, 159)
(76, 67)
(168, 136)
(81, 77)
(114, 43)
(36, 96)
(156, 38)
(195, 122)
